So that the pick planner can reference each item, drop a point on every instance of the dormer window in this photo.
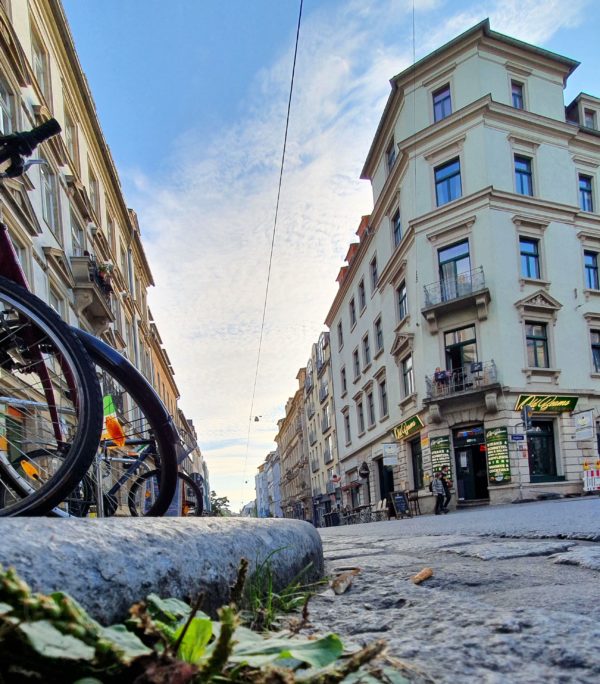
(589, 118)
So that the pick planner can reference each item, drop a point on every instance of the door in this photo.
(542, 457)
(461, 353)
(386, 480)
(471, 472)
(455, 271)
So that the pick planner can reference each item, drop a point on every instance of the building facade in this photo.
(78, 243)
(273, 470)
(473, 289)
(321, 428)
(291, 440)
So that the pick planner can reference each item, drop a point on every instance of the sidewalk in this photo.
(515, 595)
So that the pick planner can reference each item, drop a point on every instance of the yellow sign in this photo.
(546, 403)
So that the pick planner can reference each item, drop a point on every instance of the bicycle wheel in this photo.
(49, 401)
(187, 502)
(139, 435)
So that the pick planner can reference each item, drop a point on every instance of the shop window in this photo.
(447, 182)
(442, 103)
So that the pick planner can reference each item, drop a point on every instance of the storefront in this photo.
(470, 457)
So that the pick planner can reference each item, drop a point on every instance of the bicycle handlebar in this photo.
(17, 145)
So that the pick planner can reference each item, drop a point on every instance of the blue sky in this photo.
(192, 96)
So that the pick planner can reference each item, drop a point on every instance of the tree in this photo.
(219, 505)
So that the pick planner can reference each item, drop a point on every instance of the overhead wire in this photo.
(262, 326)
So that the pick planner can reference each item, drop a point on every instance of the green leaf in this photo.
(259, 651)
(46, 640)
(169, 610)
(197, 636)
(125, 643)
(5, 608)
(88, 680)
(319, 652)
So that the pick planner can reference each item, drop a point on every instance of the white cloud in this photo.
(207, 227)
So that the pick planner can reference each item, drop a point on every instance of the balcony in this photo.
(451, 294)
(474, 377)
(323, 392)
(92, 291)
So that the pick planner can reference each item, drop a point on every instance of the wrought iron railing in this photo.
(473, 376)
(454, 288)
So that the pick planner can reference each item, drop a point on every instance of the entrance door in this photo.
(386, 480)
(471, 472)
(542, 457)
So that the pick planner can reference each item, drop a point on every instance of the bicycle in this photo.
(65, 462)
(49, 395)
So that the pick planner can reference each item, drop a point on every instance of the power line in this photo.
(262, 326)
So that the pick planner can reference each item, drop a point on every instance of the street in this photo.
(514, 597)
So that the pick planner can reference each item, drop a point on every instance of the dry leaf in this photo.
(343, 582)
(421, 576)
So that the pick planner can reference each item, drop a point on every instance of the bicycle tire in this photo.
(159, 422)
(36, 342)
(183, 477)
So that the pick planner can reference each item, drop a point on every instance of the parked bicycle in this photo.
(51, 405)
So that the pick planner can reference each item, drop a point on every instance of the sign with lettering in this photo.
(584, 425)
(496, 441)
(390, 454)
(546, 403)
(401, 507)
(408, 427)
(440, 453)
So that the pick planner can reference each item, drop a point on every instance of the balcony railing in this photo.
(474, 376)
(92, 290)
(449, 289)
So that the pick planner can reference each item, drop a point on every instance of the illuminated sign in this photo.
(546, 403)
(408, 427)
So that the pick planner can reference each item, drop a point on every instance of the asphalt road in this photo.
(514, 597)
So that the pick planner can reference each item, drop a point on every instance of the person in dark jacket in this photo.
(437, 488)
(447, 484)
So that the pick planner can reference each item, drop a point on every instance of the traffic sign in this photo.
(517, 438)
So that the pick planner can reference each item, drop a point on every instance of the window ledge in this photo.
(595, 374)
(361, 312)
(378, 353)
(343, 394)
(360, 434)
(408, 400)
(387, 415)
(353, 326)
(355, 379)
(403, 323)
(587, 293)
(532, 373)
(366, 368)
(538, 282)
(370, 427)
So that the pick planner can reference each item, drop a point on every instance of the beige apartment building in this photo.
(473, 290)
(79, 244)
(291, 440)
(322, 444)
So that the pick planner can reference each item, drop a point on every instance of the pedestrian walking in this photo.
(437, 487)
(447, 483)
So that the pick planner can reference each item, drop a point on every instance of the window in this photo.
(352, 312)
(585, 193)
(55, 302)
(455, 270)
(343, 379)
(390, 155)
(110, 230)
(40, 66)
(356, 362)
(347, 432)
(383, 399)
(366, 350)
(591, 270)
(589, 118)
(360, 415)
(460, 351)
(94, 194)
(517, 95)
(442, 104)
(77, 236)
(71, 138)
(537, 345)
(378, 334)
(402, 299)
(447, 182)
(362, 297)
(6, 109)
(396, 228)
(408, 378)
(595, 335)
(370, 409)
(523, 176)
(374, 274)
(50, 199)
(530, 257)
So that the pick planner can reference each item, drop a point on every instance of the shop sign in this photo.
(363, 471)
(390, 454)
(408, 427)
(440, 453)
(546, 403)
(584, 425)
(496, 441)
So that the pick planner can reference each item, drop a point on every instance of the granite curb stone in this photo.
(109, 564)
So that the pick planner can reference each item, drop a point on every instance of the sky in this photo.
(192, 98)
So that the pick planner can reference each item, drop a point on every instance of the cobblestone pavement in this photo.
(515, 594)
